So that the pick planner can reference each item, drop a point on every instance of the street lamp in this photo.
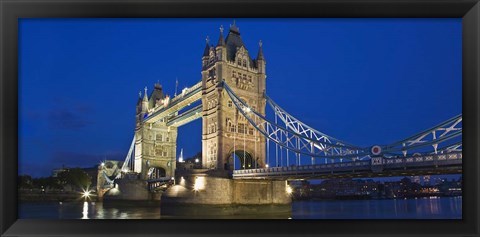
(86, 194)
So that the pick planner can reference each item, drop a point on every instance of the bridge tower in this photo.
(225, 131)
(155, 143)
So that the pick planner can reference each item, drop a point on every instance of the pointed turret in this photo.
(221, 51)
(260, 58)
(145, 101)
(145, 97)
(139, 98)
(221, 40)
(206, 51)
(260, 51)
(139, 102)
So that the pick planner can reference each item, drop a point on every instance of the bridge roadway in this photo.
(186, 117)
(187, 97)
(449, 163)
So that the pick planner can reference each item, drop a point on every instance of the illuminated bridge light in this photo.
(86, 194)
(289, 189)
(199, 183)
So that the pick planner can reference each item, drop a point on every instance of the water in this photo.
(420, 208)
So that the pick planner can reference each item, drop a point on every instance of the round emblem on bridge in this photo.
(376, 150)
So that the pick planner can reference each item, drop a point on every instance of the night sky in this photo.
(364, 81)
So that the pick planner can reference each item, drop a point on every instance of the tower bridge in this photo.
(240, 143)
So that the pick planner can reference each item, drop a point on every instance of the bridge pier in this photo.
(129, 190)
(200, 188)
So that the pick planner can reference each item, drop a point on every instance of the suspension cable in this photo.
(276, 145)
(234, 138)
(244, 148)
(255, 134)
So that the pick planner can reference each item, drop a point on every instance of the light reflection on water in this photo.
(85, 210)
(420, 208)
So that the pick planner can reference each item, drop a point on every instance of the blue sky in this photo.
(364, 81)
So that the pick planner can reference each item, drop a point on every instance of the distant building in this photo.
(346, 188)
(92, 172)
(57, 171)
(300, 188)
(415, 179)
(426, 180)
(194, 162)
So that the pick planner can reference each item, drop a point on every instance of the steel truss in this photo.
(448, 134)
(300, 138)
(307, 142)
(299, 127)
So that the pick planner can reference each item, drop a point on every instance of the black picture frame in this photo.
(12, 10)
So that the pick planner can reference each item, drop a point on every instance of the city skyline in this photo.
(71, 71)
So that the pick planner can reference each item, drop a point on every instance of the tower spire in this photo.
(207, 47)
(145, 97)
(221, 40)
(260, 51)
(234, 27)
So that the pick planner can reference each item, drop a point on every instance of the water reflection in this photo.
(421, 208)
(85, 210)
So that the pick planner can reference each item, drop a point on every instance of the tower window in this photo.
(245, 63)
(230, 104)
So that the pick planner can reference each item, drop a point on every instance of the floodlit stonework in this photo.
(224, 130)
(155, 143)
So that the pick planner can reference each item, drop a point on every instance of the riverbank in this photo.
(54, 197)
(368, 197)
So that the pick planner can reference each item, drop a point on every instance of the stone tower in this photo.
(155, 143)
(226, 134)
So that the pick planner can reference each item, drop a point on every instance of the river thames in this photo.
(414, 208)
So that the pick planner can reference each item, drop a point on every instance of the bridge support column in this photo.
(199, 188)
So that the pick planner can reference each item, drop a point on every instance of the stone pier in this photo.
(199, 188)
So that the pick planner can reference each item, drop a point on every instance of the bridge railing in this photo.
(186, 92)
(434, 160)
